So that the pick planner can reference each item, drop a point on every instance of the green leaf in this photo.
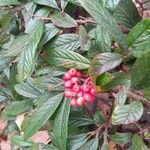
(18, 140)
(47, 147)
(27, 57)
(51, 3)
(17, 107)
(121, 96)
(17, 46)
(137, 143)
(90, 145)
(52, 71)
(110, 4)
(49, 32)
(68, 59)
(8, 2)
(104, 19)
(63, 20)
(63, 4)
(75, 142)
(83, 36)
(78, 119)
(140, 71)
(42, 113)
(65, 42)
(98, 118)
(121, 138)
(27, 90)
(147, 93)
(139, 37)
(4, 62)
(119, 78)
(60, 127)
(126, 114)
(101, 40)
(104, 62)
(126, 13)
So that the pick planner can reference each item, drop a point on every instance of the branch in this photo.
(139, 97)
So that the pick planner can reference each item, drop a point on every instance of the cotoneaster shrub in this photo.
(78, 70)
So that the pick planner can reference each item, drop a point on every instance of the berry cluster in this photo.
(78, 88)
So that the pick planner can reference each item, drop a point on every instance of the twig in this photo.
(139, 97)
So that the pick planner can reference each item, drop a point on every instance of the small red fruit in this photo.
(86, 88)
(92, 91)
(67, 76)
(73, 102)
(76, 88)
(72, 71)
(74, 79)
(79, 94)
(88, 97)
(78, 74)
(68, 93)
(68, 84)
(80, 101)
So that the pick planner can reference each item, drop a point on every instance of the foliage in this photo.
(40, 40)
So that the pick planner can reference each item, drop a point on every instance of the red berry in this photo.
(76, 88)
(67, 76)
(88, 97)
(68, 93)
(86, 88)
(78, 74)
(68, 84)
(75, 79)
(73, 102)
(80, 101)
(72, 71)
(80, 93)
(92, 91)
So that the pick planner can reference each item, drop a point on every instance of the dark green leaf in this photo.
(78, 119)
(126, 114)
(27, 90)
(17, 46)
(60, 127)
(104, 19)
(100, 38)
(139, 37)
(127, 13)
(83, 36)
(104, 62)
(68, 59)
(63, 4)
(17, 107)
(98, 118)
(63, 20)
(65, 42)
(49, 32)
(138, 144)
(121, 96)
(18, 140)
(27, 58)
(49, 70)
(140, 78)
(42, 113)
(47, 147)
(90, 145)
(121, 138)
(8, 2)
(51, 3)
(75, 142)
(147, 93)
